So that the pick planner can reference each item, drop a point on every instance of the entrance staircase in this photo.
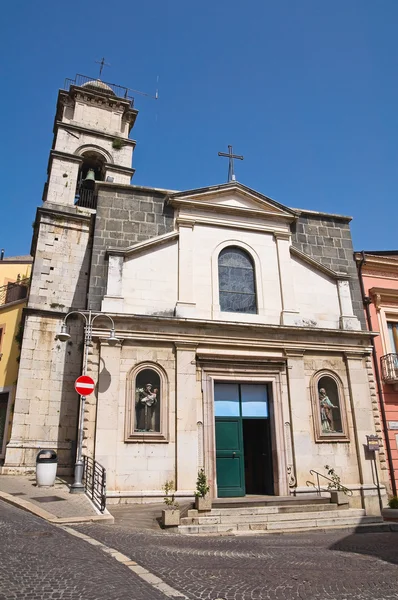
(273, 515)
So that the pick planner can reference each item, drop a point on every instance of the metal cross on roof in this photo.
(102, 64)
(231, 156)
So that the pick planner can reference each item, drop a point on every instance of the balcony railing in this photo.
(86, 198)
(389, 368)
(12, 292)
(101, 87)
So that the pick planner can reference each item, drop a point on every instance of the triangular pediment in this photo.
(232, 197)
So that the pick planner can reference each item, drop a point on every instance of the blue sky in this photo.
(306, 90)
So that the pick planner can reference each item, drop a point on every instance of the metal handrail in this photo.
(339, 487)
(94, 481)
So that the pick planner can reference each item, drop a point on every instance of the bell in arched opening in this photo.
(89, 182)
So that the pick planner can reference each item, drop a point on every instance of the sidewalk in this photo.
(55, 504)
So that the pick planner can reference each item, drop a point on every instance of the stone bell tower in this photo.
(92, 124)
(91, 143)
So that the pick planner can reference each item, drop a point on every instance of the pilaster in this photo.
(347, 318)
(363, 421)
(289, 310)
(186, 416)
(108, 427)
(185, 306)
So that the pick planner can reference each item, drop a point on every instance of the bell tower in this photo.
(91, 141)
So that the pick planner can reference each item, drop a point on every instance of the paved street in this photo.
(39, 561)
(333, 566)
(42, 561)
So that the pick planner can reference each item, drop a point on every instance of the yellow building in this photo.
(14, 285)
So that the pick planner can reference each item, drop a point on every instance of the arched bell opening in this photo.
(91, 170)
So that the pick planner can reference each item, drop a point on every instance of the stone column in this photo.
(363, 421)
(108, 426)
(185, 306)
(289, 314)
(186, 416)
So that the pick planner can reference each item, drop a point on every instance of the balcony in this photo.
(14, 292)
(389, 368)
(100, 87)
(86, 198)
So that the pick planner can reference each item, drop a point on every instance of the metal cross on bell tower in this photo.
(231, 156)
(102, 64)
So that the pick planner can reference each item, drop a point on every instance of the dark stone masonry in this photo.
(124, 217)
(328, 240)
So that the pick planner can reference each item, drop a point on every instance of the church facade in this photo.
(241, 349)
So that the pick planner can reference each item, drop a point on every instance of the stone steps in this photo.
(322, 520)
(265, 510)
(210, 519)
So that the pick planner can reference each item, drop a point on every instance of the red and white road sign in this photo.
(84, 385)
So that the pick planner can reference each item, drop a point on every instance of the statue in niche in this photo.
(146, 402)
(326, 407)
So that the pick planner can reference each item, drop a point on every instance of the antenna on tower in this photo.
(155, 97)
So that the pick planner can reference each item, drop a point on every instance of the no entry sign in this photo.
(84, 385)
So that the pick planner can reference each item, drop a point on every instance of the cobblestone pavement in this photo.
(327, 566)
(39, 561)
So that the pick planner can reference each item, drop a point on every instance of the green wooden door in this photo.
(229, 457)
(229, 440)
(237, 408)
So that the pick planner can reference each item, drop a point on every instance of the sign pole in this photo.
(84, 386)
(373, 444)
(77, 486)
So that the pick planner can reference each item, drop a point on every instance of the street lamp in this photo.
(89, 318)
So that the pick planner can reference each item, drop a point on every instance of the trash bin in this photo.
(46, 468)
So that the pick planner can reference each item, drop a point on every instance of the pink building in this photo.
(378, 274)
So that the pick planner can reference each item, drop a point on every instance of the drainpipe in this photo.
(366, 301)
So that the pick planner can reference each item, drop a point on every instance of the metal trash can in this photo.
(46, 468)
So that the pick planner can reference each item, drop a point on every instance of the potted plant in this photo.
(338, 493)
(171, 515)
(391, 513)
(202, 499)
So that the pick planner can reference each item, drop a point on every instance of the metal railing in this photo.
(389, 368)
(331, 487)
(94, 481)
(101, 87)
(12, 292)
(86, 198)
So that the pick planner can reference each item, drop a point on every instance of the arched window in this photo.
(147, 401)
(329, 409)
(146, 404)
(236, 280)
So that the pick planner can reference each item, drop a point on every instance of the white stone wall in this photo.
(149, 284)
(46, 404)
(138, 468)
(97, 116)
(184, 275)
(61, 265)
(316, 294)
(62, 181)
(76, 145)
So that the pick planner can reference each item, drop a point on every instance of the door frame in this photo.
(274, 375)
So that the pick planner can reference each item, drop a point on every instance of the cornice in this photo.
(318, 266)
(383, 296)
(142, 246)
(95, 132)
